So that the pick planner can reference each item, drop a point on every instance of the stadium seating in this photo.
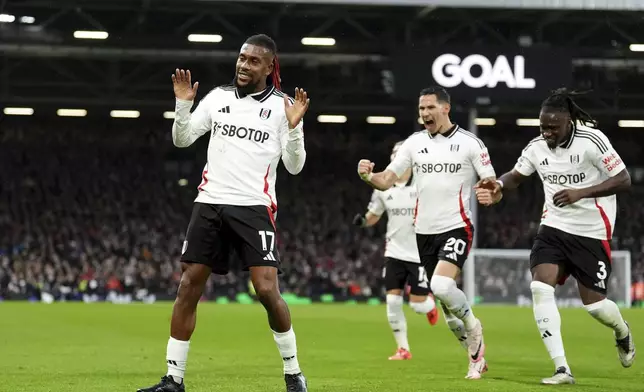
(89, 208)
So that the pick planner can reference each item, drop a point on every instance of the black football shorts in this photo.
(215, 231)
(587, 259)
(452, 246)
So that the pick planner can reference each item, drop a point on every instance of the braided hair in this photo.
(264, 41)
(562, 99)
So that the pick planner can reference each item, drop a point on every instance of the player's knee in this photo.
(394, 307)
(193, 280)
(442, 285)
(187, 288)
(423, 307)
(394, 304)
(546, 273)
(265, 289)
(393, 299)
(541, 292)
(596, 308)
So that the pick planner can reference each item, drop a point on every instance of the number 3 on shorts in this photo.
(602, 274)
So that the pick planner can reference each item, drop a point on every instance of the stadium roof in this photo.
(44, 64)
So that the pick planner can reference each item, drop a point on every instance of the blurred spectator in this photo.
(90, 210)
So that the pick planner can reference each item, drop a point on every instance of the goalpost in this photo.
(502, 277)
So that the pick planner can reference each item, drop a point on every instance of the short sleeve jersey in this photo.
(247, 135)
(399, 202)
(445, 167)
(587, 159)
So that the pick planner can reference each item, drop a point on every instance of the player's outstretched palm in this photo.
(183, 87)
(296, 111)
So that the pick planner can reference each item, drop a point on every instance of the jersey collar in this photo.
(450, 132)
(568, 142)
(260, 96)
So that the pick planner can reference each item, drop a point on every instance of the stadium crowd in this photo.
(88, 209)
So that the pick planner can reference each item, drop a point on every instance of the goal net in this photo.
(502, 276)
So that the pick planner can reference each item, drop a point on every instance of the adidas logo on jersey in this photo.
(544, 162)
(452, 256)
(224, 110)
(601, 285)
(270, 257)
(390, 197)
(423, 151)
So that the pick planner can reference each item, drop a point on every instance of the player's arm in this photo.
(374, 211)
(491, 192)
(511, 180)
(380, 181)
(608, 161)
(293, 151)
(618, 183)
(188, 127)
(480, 159)
(387, 178)
(367, 220)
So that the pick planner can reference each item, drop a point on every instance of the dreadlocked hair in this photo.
(264, 41)
(562, 99)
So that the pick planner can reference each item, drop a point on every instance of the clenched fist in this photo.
(488, 192)
(365, 169)
(487, 197)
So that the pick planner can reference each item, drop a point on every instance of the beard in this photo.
(246, 89)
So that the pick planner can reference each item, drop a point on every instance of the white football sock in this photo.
(423, 307)
(176, 357)
(456, 326)
(607, 312)
(287, 347)
(397, 320)
(548, 321)
(446, 290)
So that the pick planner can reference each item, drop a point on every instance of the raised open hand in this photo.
(296, 111)
(183, 87)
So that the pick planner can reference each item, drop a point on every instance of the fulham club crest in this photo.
(264, 114)
(574, 159)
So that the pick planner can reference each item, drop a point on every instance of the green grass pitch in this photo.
(104, 347)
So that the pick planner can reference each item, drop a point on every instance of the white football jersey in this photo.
(248, 136)
(399, 202)
(587, 159)
(445, 168)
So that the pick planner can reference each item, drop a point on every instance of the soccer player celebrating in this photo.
(403, 264)
(445, 159)
(581, 173)
(251, 125)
